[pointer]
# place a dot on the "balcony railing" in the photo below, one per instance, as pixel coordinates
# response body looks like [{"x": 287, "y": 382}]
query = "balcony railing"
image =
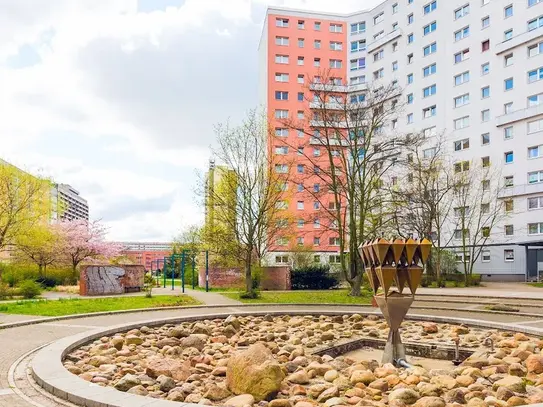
[
  {"x": 384, "y": 39},
  {"x": 520, "y": 114},
  {"x": 328, "y": 87},
  {"x": 519, "y": 190},
  {"x": 518, "y": 40}
]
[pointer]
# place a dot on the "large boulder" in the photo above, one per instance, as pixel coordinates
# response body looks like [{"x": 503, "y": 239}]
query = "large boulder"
[
  {"x": 534, "y": 364},
  {"x": 126, "y": 382},
  {"x": 168, "y": 367},
  {"x": 407, "y": 396},
  {"x": 254, "y": 371}
]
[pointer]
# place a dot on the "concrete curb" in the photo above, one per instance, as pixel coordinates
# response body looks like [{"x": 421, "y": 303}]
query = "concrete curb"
[{"x": 49, "y": 372}]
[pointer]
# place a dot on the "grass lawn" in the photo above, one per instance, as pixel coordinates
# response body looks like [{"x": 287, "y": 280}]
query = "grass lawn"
[
  {"x": 81, "y": 306},
  {"x": 307, "y": 297},
  {"x": 540, "y": 285}
]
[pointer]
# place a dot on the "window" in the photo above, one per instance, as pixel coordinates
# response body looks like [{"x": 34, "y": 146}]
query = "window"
[
  {"x": 461, "y": 123},
  {"x": 281, "y": 259},
  {"x": 301, "y": 24},
  {"x": 535, "y": 203},
  {"x": 281, "y": 77},
  {"x": 359, "y": 27},
  {"x": 394, "y": 66},
  {"x": 427, "y": 29},
  {"x": 300, "y": 79},
  {"x": 300, "y": 241},
  {"x": 281, "y": 41},
  {"x": 429, "y": 70},
  {"x": 281, "y": 150},
  {"x": 536, "y": 49},
  {"x": 535, "y": 228},
  {"x": 409, "y": 78},
  {"x": 461, "y": 100},
  {"x": 378, "y": 18},
  {"x": 410, "y": 38},
  {"x": 281, "y": 59},
  {"x": 430, "y": 49},
  {"x": 334, "y": 259},
  {"x": 317, "y": 26},
  {"x": 458, "y": 233},
  {"x": 485, "y": 231},
  {"x": 361, "y": 97},
  {"x": 316, "y": 242},
  {"x": 358, "y": 45},
  {"x": 429, "y": 112},
  {"x": 485, "y": 115},
  {"x": 508, "y": 84},
  {"x": 486, "y": 185},
  {"x": 336, "y": 63},
  {"x": 535, "y": 152},
  {"x": 430, "y": 7},
  {"x": 281, "y": 114},
  {"x": 463, "y": 33},
  {"x": 461, "y": 257},
  {"x": 429, "y": 132},
  {"x": 429, "y": 152},
  {"x": 461, "y": 56},
  {"x": 508, "y": 60},
  {"x": 316, "y": 152},
  {"x": 485, "y": 139},
  {"x": 394, "y": 8},
  {"x": 461, "y": 12},
  {"x": 300, "y": 205},
  {"x": 485, "y": 161},
  {"x": 336, "y": 46},
  {"x": 300, "y": 61},
  {"x": 316, "y": 205},
  {"x": 485, "y": 256},
  {"x": 317, "y": 44},
  {"x": 316, "y": 62},
  {"x": 357, "y": 64},
  {"x": 508, "y": 157},
  {"x": 508, "y": 34},
  {"x": 301, "y": 42},
  {"x": 281, "y": 168},
  {"x": 508, "y": 132},
  {"x": 485, "y": 68},
  {"x": 281, "y": 95},
  {"x": 535, "y": 23},
  {"x": 300, "y": 168},
  {"x": 485, "y": 22},
  {"x": 485, "y": 45},
  {"x": 281, "y": 22},
  {"x": 336, "y": 28},
  {"x": 429, "y": 91},
  {"x": 533, "y": 2},
  {"x": 535, "y": 75},
  {"x": 461, "y": 144},
  {"x": 410, "y": 118},
  {"x": 316, "y": 187},
  {"x": 410, "y": 19},
  {"x": 509, "y": 230},
  {"x": 378, "y": 35},
  {"x": 535, "y": 177},
  {"x": 508, "y": 181},
  {"x": 409, "y": 98},
  {"x": 485, "y": 92},
  {"x": 333, "y": 241},
  {"x": 509, "y": 255},
  {"x": 394, "y": 46},
  {"x": 535, "y": 100},
  {"x": 461, "y": 78},
  {"x": 379, "y": 73},
  {"x": 378, "y": 55},
  {"x": 508, "y": 11},
  {"x": 507, "y": 107},
  {"x": 300, "y": 151},
  {"x": 409, "y": 59},
  {"x": 535, "y": 126}
]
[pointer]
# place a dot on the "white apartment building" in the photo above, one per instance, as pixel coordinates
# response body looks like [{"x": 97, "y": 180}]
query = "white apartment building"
[
  {"x": 72, "y": 206},
  {"x": 473, "y": 71}
]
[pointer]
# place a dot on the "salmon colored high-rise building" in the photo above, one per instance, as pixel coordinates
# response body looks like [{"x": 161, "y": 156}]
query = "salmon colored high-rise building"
[{"x": 297, "y": 48}]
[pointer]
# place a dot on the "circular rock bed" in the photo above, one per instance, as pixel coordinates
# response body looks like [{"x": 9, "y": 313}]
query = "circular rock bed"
[{"x": 271, "y": 361}]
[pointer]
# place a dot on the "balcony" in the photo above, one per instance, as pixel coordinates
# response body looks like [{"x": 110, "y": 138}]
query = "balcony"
[
  {"x": 384, "y": 40},
  {"x": 518, "y": 40},
  {"x": 327, "y": 106},
  {"x": 518, "y": 115},
  {"x": 329, "y": 124},
  {"x": 316, "y": 141},
  {"x": 519, "y": 190}
]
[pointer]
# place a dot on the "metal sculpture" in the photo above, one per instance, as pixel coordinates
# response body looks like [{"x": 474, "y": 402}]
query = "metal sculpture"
[{"x": 390, "y": 264}]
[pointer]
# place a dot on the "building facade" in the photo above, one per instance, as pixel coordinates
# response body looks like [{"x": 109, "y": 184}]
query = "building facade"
[
  {"x": 471, "y": 70},
  {"x": 69, "y": 203},
  {"x": 148, "y": 254}
]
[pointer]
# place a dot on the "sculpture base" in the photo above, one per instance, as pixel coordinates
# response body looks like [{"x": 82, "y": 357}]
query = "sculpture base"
[{"x": 394, "y": 348}]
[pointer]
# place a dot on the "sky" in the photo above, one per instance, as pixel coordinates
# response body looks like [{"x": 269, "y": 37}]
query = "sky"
[{"x": 119, "y": 98}]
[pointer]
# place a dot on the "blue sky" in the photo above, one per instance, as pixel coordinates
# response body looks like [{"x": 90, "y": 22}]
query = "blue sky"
[{"x": 119, "y": 97}]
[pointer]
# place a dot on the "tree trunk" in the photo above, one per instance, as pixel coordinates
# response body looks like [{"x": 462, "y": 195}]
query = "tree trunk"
[
  {"x": 356, "y": 286},
  {"x": 40, "y": 270},
  {"x": 248, "y": 276}
]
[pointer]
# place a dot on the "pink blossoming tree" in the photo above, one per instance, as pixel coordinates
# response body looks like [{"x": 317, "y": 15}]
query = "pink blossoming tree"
[{"x": 83, "y": 241}]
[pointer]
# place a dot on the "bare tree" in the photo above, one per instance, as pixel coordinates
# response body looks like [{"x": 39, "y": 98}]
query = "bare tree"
[
  {"x": 479, "y": 209},
  {"x": 354, "y": 144},
  {"x": 247, "y": 200},
  {"x": 422, "y": 194}
]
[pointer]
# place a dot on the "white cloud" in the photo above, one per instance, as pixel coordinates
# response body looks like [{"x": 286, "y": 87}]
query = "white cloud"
[{"x": 133, "y": 94}]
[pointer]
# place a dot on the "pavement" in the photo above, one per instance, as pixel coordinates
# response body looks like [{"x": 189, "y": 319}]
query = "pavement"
[{"x": 16, "y": 342}]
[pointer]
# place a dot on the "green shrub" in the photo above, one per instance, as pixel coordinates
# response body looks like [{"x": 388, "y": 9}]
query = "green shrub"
[
  {"x": 30, "y": 289},
  {"x": 314, "y": 277},
  {"x": 5, "y": 291},
  {"x": 252, "y": 295}
]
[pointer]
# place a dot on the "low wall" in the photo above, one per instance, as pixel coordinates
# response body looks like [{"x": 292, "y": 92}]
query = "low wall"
[
  {"x": 273, "y": 278},
  {"x": 107, "y": 280}
]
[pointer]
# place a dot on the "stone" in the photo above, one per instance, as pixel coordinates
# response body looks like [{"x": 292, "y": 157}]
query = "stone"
[
  {"x": 97, "y": 361},
  {"x": 516, "y": 369},
  {"x": 455, "y": 396},
  {"x": 430, "y": 402},
  {"x": 460, "y": 330},
  {"x": 444, "y": 382},
  {"x": 133, "y": 340},
  {"x": 175, "y": 396},
  {"x": 240, "y": 401},
  {"x": 127, "y": 382},
  {"x": 534, "y": 364},
  {"x": 516, "y": 401},
  {"x": 279, "y": 403},
  {"x": 168, "y": 367},
  {"x": 513, "y": 383},
  {"x": 139, "y": 390},
  {"x": 380, "y": 384},
  {"x": 219, "y": 371},
  {"x": 117, "y": 342},
  {"x": 216, "y": 393},
  {"x": 201, "y": 328},
  {"x": 464, "y": 380},
  {"x": 504, "y": 393},
  {"x": 233, "y": 322},
  {"x": 194, "y": 341},
  {"x": 315, "y": 390},
  {"x": 476, "y": 402},
  {"x": 331, "y": 375},
  {"x": 328, "y": 336},
  {"x": 328, "y": 394},
  {"x": 165, "y": 383},
  {"x": 334, "y": 401},
  {"x": 407, "y": 396},
  {"x": 254, "y": 371},
  {"x": 362, "y": 376},
  {"x": 299, "y": 377},
  {"x": 193, "y": 398},
  {"x": 427, "y": 389},
  {"x": 297, "y": 390},
  {"x": 74, "y": 370}
]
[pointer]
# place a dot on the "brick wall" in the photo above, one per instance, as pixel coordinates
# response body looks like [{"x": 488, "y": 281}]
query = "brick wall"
[
  {"x": 104, "y": 280},
  {"x": 276, "y": 278},
  {"x": 273, "y": 278}
]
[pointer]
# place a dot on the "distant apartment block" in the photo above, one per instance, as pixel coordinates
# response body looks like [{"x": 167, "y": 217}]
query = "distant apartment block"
[
  {"x": 71, "y": 205},
  {"x": 148, "y": 254},
  {"x": 469, "y": 69}
]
